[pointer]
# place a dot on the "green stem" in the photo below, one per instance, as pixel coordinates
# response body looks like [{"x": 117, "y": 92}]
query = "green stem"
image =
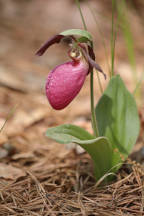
[{"x": 93, "y": 116}]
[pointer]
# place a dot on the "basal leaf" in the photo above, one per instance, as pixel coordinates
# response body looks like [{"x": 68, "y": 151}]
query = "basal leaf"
[
  {"x": 117, "y": 118},
  {"x": 78, "y": 32},
  {"x": 98, "y": 148},
  {"x": 100, "y": 151},
  {"x": 68, "y": 133}
]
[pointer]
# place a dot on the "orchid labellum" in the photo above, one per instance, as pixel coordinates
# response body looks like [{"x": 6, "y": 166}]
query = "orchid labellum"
[{"x": 66, "y": 80}]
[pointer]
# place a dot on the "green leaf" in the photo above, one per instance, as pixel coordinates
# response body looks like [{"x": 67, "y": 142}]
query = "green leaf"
[
  {"x": 68, "y": 133},
  {"x": 78, "y": 32},
  {"x": 98, "y": 148},
  {"x": 117, "y": 118}
]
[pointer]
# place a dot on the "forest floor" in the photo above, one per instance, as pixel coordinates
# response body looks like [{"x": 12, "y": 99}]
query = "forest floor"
[{"x": 37, "y": 175}]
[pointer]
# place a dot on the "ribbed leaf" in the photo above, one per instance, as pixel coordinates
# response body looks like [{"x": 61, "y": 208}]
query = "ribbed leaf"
[
  {"x": 98, "y": 148},
  {"x": 117, "y": 118}
]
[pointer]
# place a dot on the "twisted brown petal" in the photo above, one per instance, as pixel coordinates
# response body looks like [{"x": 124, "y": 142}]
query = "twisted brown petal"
[
  {"x": 51, "y": 41},
  {"x": 90, "y": 57}
]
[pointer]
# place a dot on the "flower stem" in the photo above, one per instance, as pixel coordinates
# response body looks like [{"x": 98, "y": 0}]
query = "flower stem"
[{"x": 93, "y": 116}]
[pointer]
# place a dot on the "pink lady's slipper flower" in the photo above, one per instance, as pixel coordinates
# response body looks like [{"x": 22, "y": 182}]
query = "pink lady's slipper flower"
[{"x": 66, "y": 80}]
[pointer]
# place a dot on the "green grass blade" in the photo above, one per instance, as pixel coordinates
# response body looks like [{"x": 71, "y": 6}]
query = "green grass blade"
[
  {"x": 113, "y": 38},
  {"x": 102, "y": 37},
  {"x": 8, "y": 117},
  {"x": 81, "y": 14},
  {"x": 127, "y": 34}
]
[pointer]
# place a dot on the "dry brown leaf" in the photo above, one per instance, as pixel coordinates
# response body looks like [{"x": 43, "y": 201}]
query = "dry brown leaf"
[{"x": 9, "y": 172}]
